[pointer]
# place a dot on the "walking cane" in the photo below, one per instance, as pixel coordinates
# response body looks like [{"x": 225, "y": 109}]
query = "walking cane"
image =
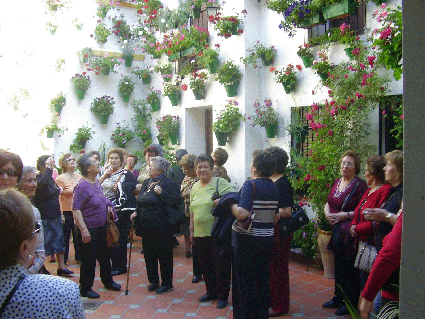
[{"x": 129, "y": 257}]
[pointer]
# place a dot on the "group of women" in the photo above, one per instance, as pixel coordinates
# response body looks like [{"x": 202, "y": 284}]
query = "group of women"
[{"x": 365, "y": 212}]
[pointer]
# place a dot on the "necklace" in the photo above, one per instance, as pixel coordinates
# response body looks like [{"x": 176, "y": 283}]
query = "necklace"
[{"x": 72, "y": 177}]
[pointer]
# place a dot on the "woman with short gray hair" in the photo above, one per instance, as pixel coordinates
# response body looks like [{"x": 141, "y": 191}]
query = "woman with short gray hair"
[{"x": 159, "y": 199}]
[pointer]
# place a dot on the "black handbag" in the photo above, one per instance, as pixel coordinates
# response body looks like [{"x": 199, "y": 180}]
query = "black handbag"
[{"x": 297, "y": 220}]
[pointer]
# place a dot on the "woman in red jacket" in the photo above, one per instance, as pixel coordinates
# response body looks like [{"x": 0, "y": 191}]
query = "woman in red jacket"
[{"x": 375, "y": 196}]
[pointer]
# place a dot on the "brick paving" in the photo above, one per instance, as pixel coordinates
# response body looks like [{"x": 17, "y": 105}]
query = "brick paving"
[{"x": 309, "y": 290}]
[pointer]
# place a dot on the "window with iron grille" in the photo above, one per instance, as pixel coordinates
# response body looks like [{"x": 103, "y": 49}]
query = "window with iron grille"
[
  {"x": 389, "y": 104},
  {"x": 302, "y": 148}
]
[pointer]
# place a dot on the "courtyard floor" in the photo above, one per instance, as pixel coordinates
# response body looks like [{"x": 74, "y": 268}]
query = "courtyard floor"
[{"x": 309, "y": 290}]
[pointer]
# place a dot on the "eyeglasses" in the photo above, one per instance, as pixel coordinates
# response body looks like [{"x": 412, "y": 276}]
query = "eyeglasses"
[
  {"x": 70, "y": 159},
  {"x": 9, "y": 172},
  {"x": 347, "y": 164},
  {"x": 37, "y": 229}
]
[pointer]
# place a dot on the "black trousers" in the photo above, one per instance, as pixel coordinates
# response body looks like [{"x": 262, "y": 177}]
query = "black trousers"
[
  {"x": 157, "y": 249},
  {"x": 206, "y": 254},
  {"x": 68, "y": 228},
  {"x": 197, "y": 271},
  {"x": 90, "y": 252},
  {"x": 119, "y": 254},
  {"x": 250, "y": 282},
  {"x": 223, "y": 266},
  {"x": 346, "y": 278}
]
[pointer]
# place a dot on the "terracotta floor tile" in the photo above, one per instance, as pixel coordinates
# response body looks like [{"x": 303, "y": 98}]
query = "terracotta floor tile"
[
  {"x": 212, "y": 311},
  {"x": 309, "y": 277},
  {"x": 311, "y": 288},
  {"x": 168, "y": 315},
  {"x": 140, "y": 313},
  {"x": 186, "y": 307},
  {"x": 107, "y": 309},
  {"x": 160, "y": 303},
  {"x": 133, "y": 299}
]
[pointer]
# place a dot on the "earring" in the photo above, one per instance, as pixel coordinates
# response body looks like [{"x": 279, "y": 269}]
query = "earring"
[{"x": 29, "y": 257}]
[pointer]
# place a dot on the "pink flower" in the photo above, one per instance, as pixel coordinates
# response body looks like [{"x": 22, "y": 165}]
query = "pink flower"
[
  {"x": 383, "y": 5},
  {"x": 385, "y": 34},
  {"x": 402, "y": 117},
  {"x": 309, "y": 116},
  {"x": 383, "y": 112},
  {"x": 346, "y": 75},
  {"x": 331, "y": 133},
  {"x": 307, "y": 178}
]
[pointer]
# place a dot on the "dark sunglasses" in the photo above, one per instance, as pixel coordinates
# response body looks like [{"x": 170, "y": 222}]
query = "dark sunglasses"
[
  {"x": 37, "y": 228},
  {"x": 9, "y": 172}
]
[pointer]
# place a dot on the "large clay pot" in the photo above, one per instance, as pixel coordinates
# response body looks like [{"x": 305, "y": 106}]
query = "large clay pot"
[{"x": 328, "y": 258}]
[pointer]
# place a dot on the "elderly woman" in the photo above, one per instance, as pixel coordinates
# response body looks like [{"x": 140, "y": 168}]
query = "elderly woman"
[
  {"x": 220, "y": 157},
  {"x": 252, "y": 248},
  {"x": 67, "y": 181},
  {"x": 23, "y": 295},
  {"x": 345, "y": 195},
  {"x": 375, "y": 196},
  {"x": 46, "y": 199},
  {"x": 118, "y": 186},
  {"x": 131, "y": 162},
  {"x": 279, "y": 262},
  {"x": 187, "y": 163},
  {"x": 90, "y": 207},
  {"x": 148, "y": 153},
  {"x": 203, "y": 197},
  {"x": 27, "y": 186},
  {"x": 158, "y": 200}
]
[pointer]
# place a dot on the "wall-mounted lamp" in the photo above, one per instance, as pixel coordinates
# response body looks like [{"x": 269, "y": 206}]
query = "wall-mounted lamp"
[{"x": 212, "y": 10}]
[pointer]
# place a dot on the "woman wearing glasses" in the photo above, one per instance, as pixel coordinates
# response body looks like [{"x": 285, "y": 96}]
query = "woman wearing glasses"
[
  {"x": 67, "y": 181},
  {"x": 23, "y": 295}
]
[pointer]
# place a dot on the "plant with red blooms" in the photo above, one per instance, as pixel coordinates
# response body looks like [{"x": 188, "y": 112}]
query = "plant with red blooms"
[
  {"x": 260, "y": 51},
  {"x": 322, "y": 65},
  {"x": 226, "y": 25},
  {"x": 150, "y": 9},
  {"x": 287, "y": 75},
  {"x": 168, "y": 124},
  {"x": 121, "y": 28},
  {"x": 103, "y": 105},
  {"x": 142, "y": 72},
  {"x": 177, "y": 41},
  {"x": 172, "y": 88},
  {"x": 198, "y": 80},
  {"x": 102, "y": 33},
  {"x": 81, "y": 81},
  {"x": 103, "y": 9},
  {"x": 207, "y": 56},
  {"x": 304, "y": 50}
]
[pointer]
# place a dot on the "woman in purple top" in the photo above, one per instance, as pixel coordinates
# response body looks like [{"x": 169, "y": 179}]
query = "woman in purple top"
[{"x": 90, "y": 209}]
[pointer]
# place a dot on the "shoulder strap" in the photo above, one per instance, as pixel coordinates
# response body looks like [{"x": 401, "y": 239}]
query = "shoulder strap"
[
  {"x": 347, "y": 199},
  {"x": 216, "y": 186},
  {"x": 253, "y": 195},
  {"x": 9, "y": 297}
]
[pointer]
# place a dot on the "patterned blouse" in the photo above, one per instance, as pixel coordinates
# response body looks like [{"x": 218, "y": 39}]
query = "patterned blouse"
[
  {"x": 220, "y": 171},
  {"x": 39, "y": 296},
  {"x": 187, "y": 184}
]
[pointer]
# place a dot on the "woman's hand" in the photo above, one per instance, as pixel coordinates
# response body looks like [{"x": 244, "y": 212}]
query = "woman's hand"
[
  {"x": 86, "y": 236},
  {"x": 133, "y": 216},
  {"x": 108, "y": 172},
  {"x": 50, "y": 163},
  {"x": 375, "y": 214},
  {"x": 353, "y": 231},
  {"x": 157, "y": 190},
  {"x": 365, "y": 307},
  {"x": 338, "y": 217},
  {"x": 192, "y": 238}
]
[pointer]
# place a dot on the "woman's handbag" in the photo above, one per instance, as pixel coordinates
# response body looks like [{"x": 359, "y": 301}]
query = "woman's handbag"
[
  {"x": 112, "y": 232},
  {"x": 245, "y": 225},
  {"x": 297, "y": 220},
  {"x": 366, "y": 256}
]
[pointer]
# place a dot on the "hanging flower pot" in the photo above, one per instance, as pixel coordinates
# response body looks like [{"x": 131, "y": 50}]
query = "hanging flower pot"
[
  {"x": 126, "y": 97},
  {"x": 146, "y": 79},
  {"x": 288, "y": 86},
  {"x": 188, "y": 52},
  {"x": 105, "y": 71},
  {"x": 82, "y": 143},
  {"x": 174, "y": 98},
  {"x": 221, "y": 138},
  {"x": 308, "y": 22},
  {"x": 271, "y": 130},
  {"x": 199, "y": 95},
  {"x": 155, "y": 106},
  {"x": 349, "y": 53},
  {"x": 174, "y": 138},
  {"x": 104, "y": 118},
  {"x": 50, "y": 133},
  {"x": 266, "y": 62},
  {"x": 174, "y": 57},
  {"x": 196, "y": 12},
  {"x": 80, "y": 94},
  {"x": 58, "y": 109},
  {"x": 234, "y": 29},
  {"x": 166, "y": 79},
  {"x": 307, "y": 60},
  {"x": 323, "y": 75},
  {"x": 232, "y": 89},
  {"x": 339, "y": 10},
  {"x": 128, "y": 59},
  {"x": 212, "y": 67},
  {"x": 156, "y": 55}
]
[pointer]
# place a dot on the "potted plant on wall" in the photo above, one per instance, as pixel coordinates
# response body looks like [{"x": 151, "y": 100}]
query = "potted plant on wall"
[
  {"x": 166, "y": 71},
  {"x": 105, "y": 64},
  {"x": 226, "y": 26},
  {"x": 103, "y": 9},
  {"x": 143, "y": 73},
  {"x": 172, "y": 90},
  {"x": 348, "y": 38},
  {"x": 54, "y": 126},
  {"x": 228, "y": 120},
  {"x": 101, "y": 33},
  {"x": 229, "y": 75},
  {"x": 208, "y": 57},
  {"x": 81, "y": 83},
  {"x": 122, "y": 134},
  {"x": 126, "y": 87},
  {"x": 197, "y": 84},
  {"x": 153, "y": 99},
  {"x": 141, "y": 121},
  {"x": 305, "y": 52},
  {"x": 322, "y": 66},
  {"x": 103, "y": 107},
  {"x": 84, "y": 134},
  {"x": 58, "y": 103},
  {"x": 265, "y": 116},
  {"x": 333, "y": 9},
  {"x": 260, "y": 51},
  {"x": 128, "y": 48},
  {"x": 168, "y": 127},
  {"x": 85, "y": 54},
  {"x": 288, "y": 78},
  {"x": 196, "y": 8}
]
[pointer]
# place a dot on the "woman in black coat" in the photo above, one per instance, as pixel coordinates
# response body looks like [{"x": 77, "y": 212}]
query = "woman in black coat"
[{"x": 157, "y": 213}]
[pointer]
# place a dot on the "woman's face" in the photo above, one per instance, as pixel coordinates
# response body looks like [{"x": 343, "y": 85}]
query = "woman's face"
[
  {"x": 190, "y": 172},
  {"x": 114, "y": 161},
  {"x": 8, "y": 176},
  {"x": 94, "y": 167},
  {"x": 131, "y": 162},
  {"x": 370, "y": 178},
  {"x": 392, "y": 175},
  {"x": 148, "y": 156},
  {"x": 204, "y": 171},
  {"x": 69, "y": 163},
  {"x": 348, "y": 168},
  {"x": 28, "y": 184},
  {"x": 154, "y": 169}
]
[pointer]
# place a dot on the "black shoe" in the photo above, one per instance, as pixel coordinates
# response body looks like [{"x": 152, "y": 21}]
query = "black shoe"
[
  {"x": 64, "y": 272},
  {"x": 119, "y": 272},
  {"x": 89, "y": 294},
  {"x": 164, "y": 289},
  {"x": 342, "y": 311},
  {"x": 334, "y": 303},
  {"x": 188, "y": 254},
  {"x": 207, "y": 297},
  {"x": 44, "y": 271},
  {"x": 221, "y": 304},
  {"x": 175, "y": 242},
  {"x": 153, "y": 287},
  {"x": 196, "y": 279},
  {"x": 113, "y": 286},
  {"x": 141, "y": 252}
]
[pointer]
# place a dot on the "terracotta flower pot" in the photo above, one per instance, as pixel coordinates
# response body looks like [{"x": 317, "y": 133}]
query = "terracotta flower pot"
[{"x": 328, "y": 258}]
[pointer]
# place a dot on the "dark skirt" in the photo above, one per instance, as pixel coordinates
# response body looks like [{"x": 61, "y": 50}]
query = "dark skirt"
[{"x": 53, "y": 236}]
